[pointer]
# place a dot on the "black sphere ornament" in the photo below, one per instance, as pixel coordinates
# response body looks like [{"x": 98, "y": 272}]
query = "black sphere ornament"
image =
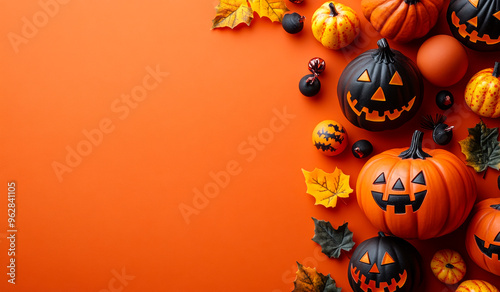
[
  {"x": 362, "y": 148},
  {"x": 309, "y": 85},
  {"x": 293, "y": 22},
  {"x": 441, "y": 132},
  {"x": 444, "y": 100}
]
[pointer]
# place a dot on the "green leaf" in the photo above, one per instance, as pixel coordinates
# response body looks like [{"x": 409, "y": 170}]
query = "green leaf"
[
  {"x": 331, "y": 240},
  {"x": 310, "y": 280},
  {"x": 481, "y": 148}
]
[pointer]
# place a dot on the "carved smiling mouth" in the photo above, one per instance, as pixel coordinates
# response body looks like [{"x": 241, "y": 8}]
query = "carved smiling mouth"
[
  {"x": 371, "y": 285},
  {"x": 490, "y": 250},
  {"x": 399, "y": 201},
  {"x": 377, "y": 116},
  {"x": 473, "y": 37}
]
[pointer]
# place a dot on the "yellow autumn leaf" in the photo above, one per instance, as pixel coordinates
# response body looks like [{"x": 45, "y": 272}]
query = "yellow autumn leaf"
[
  {"x": 272, "y": 9},
  {"x": 230, "y": 13},
  {"x": 327, "y": 187}
]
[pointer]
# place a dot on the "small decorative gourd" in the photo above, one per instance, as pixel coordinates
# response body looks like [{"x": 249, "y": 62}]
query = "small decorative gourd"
[
  {"x": 402, "y": 20},
  {"x": 335, "y": 25},
  {"x": 476, "y": 286},
  {"x": 482, "y": 93},
  {"x": 448, "y": 266}
]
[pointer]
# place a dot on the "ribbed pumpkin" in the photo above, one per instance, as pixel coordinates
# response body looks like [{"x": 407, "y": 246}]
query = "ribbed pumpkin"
[
  {"x": 482, "y": 93},
  {"x": 380, "y": 89},
  {"x": 475, "y": 23},
  {"x": 416, "y": 193},
  {"x": 476, "y": 286},
  {"x": 483, "y": 235},
  {"x": 402, "y": 20},
  {"x": 385, "y": 263},
  {"x": 335, "y": 25},
  {"x": 448, "y": 266}
]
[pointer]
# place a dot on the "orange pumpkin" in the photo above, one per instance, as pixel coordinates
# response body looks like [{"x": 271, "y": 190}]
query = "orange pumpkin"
[
  {"x": 483, "y": 235},
  {"x": 476, "y": 286},
  {"x": 335, "y": 25},
  {"x": 402, "y": 20},
  {"x": 482, "y": 93},
  {"x": 329, "y": 137},
  {"x": 416, "y": 193},
  {"x": 448, "y": 266}
]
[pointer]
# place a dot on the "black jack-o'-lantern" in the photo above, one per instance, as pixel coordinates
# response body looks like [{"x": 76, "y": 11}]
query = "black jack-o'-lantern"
[
  {"x": 475, "y": 23},
  {"x": 384, "y": 264},
  {"x": 380, "y": 89}
]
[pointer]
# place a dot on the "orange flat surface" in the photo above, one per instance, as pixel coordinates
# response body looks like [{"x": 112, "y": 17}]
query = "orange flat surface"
[{"x": 210, "y": 102}]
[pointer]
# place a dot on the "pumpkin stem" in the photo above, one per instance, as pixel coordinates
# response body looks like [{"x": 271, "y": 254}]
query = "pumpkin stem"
[
  {"x": 415, "y": 151},
  {"x": 384, "y": 53},
  {"x": 333, "y": 11},
  {"x": 449, "y": 266},
  {"x": 496, "y": 70}
]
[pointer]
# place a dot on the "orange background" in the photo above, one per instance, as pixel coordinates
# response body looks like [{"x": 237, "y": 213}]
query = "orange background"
[{"x": 117, "y": 210}]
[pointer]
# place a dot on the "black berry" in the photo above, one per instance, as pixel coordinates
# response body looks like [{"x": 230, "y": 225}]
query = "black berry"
[
  {"x": 442, "y": 134},
  {"x": 309, "y": 85},
  {"x": 362, "y": 149},
  {"x": 293, "y": 22},
  {"x": 444, "y": 99}
]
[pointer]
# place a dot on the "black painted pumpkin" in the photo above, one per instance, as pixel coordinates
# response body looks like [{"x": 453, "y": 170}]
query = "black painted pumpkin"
[
  {"x": 380, "y": 89},
  {"x": 476, "y": 23},
  {"x": 384, "y": 264}
]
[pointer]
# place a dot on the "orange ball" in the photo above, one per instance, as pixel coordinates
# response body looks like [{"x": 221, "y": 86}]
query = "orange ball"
[
  {"x": 329, "y": 137},
  {"x": 442, "y": 60}
]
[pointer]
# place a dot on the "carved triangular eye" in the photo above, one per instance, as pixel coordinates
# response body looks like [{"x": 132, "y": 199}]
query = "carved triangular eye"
[
  {"x": 419, "y": 179},
  {"x": 387, "y": 259},
  {"x": 378, "y": 95},
  {"x": 396, "y": 79},
  {"x": 497, "y": 15},
  {"x": 474, "y": 2},
  {"x": 473, "y": 21},
  {"x": 365, "y": 258},
  {"x": 380, "y": 179},
  {"x": 497, "y": 238},
  {"x": 364, "y": 77},
  {"x": 398, "y": 186}
]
